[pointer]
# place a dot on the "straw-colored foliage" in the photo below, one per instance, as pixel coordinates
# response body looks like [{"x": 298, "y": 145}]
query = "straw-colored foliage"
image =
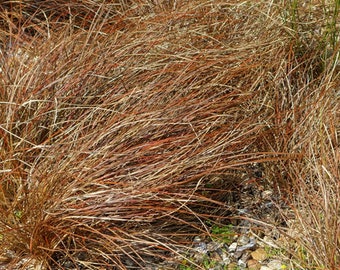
[{"x": 116, "y": 115}]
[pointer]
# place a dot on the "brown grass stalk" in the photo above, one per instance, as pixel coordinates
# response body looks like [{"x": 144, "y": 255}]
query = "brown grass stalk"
[{"x": 116, "y": 115}]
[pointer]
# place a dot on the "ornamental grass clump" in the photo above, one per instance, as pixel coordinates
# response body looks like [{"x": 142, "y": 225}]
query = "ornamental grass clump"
[
  {"x": 114, "y": 117},
  {"x": 126, "y": 125},
  {"x": 306, "y": 127}
]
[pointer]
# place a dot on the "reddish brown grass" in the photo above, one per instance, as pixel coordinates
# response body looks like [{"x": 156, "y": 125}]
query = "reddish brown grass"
[{"x": 115, "y": 115}]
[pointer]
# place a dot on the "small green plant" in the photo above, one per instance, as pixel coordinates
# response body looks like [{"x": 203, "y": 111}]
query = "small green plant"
[
  {"x": 18, "y": 214},
  {"x": 187, "y": 264},
  {"x": 332, "y": 30},
  {"x": 185, "y": 267},
  {"x": 223, "y": 234},
  {"x": 294, "y": 15},
  {"x": 274, "y": 252},
  {"x": 208, "y": 262}
]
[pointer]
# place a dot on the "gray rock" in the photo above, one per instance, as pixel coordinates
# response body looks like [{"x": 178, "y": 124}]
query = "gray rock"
[
  {"x": 226, "y": 259},
  {"x": 250, "y": 245},
  {"x": 245, "y": 257},
  {"x": 232, "y": 247},
  {"x": 265, "y": 268},
  {"x": 238, "y": 254},
  {"x": 201, "y": 247},
  {"x": 241, "y": 263},
  {"x": 274, "y": 264},
  {"x": 243, "y": 240},
  {"x": 212, "y": 246}
]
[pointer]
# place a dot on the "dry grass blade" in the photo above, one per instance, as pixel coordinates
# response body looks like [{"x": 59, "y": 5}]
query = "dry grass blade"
[
  {"x": 113, "y": 124},
  {"x": 117, "y": 117},
  {"x": 306, "y": 124}
]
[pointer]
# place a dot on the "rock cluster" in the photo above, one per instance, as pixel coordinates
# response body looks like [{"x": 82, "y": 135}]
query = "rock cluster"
[{"x": 244, "y": 252}]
